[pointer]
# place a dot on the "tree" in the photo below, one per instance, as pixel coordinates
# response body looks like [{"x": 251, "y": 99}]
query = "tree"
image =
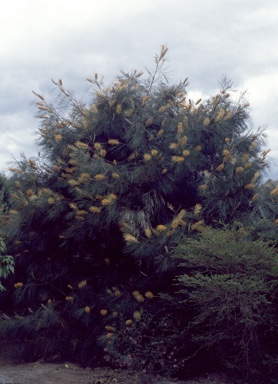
[{"x": 119, "y": 182}]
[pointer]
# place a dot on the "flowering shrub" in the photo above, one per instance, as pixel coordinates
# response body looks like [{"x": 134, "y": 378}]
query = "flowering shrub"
[
  {"x": 143, "y": 344},
  {"x": 146, "y": 339}
]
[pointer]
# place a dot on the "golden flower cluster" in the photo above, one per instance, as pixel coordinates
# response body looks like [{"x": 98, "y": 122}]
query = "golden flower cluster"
[
  {"x": 137, "y": 296},
  {"x": 82, "y": 284},
  {"x": 103, "y": 312},
  {"x": 130, "y": 238},
  {"x": 94, "y": 209},
  {"x": 18, "y": 285}
]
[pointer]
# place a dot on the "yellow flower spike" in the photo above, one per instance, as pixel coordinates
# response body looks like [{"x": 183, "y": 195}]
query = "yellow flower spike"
[
  {"x": 186, "y": 153},
  {"x": 51, "y": 200},
  {"x": 84, "y": 177},
  {"x": 80, "y": 144},
  {"x": 94, "y": 108},
  {"x": 18, "y": 285},
  {"x": 256, "y": 176},
  {"x": 113, "y": 141},
  {"x": 94, "y": 209},
  {"x": 178, "y": 159},
  {"x": 137, "y": 315},
  {"x": 112, "y": 196},
  {"x": 147, "y": 157},
  {"x": 175, "y": 224},
  {"x": 255, "y": 197},
  {"x": 164, "y": 171},
  {"x": 29, "y": 192},
  {"x": 227, "y": 140},
  {"x": 180, "y": 127},
  {"x": 274, "y": 192},
  {"x": 87, "y": 309},
  {"x": 109, "y": 328},
  {"x": 102, "y": 152},
  {"x": 248, "y": 165},
  {"x": 239, "y": 169},
  {"x": 182, "y": 223},
  {"x": 154, "y": 152},
  {"x": 162, "y": 108},
  {"x": 58, "y": 137},
  {"x": 103, "y": 312},
  {"x": 82, "y": 284},
  {"x": 198, "y": 148},
  {"x": 206, "y": 122},
  {"x": 128, "y": 112},
  {"x": 99, "y": 176},
  {"x": 276, "y": 221},
  {"x": 109, "y": 335},
  {"x": 149, "y": 121},
  {"x": 148, "y": 232},
  {"x": 197, "y": 209},
  {"x": 203, "y": 187},
  {"x": 49, "y": 301},
  {"x": 128, "y": 322},
  {"x": 115, "y": 175},
  {"x": 97, "y": 146},
  {"x": 173, "y": 145},
  {"x": 69, "y": 298},
  {"x": 114, "y": 314},
  {"x": 70, "y": 286},
  {"x": 220, "y": 167},
  {"x": 81, "y": 212},
  {"x": 161, "y": 228},
  {"x": 245, "y": 157},
  {"x": 181, "y": 214},
  {"x": 117, "y": 293},
  {"x": 226, "y": 152},
  {"x": 252, "y": 146},
  {"x": 130, "y": 238},
  {"x": 249, "y": 186},
  {"x": 145, "y": 98},
  {"x": 149, "y": 295},
  {"x": 137, "y": 296},
  {"x": 119, "y": 108},
  {"x": 160, "y": 132},
  {"x": 183, "y": 141},
  {"x": 140, "y": 298},
  {"x": 106, "y": 201},
  {"x": 80, "y": 218},
  {"x": 220, "y": 115},
  {"x": 198, "y": 226}
]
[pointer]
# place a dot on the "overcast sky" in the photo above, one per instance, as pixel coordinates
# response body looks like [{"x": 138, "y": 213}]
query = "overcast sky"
[{"x": 73, "y": 39}]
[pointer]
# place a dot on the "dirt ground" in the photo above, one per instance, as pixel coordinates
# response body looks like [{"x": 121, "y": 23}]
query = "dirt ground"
[{"x": 14, "y": 372}]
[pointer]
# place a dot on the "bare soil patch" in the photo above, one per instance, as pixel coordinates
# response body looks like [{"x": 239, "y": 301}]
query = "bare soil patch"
[{"x": 13, "y": 371}]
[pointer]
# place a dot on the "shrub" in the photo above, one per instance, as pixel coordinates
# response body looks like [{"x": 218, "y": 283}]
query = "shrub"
[
  {"x": 6, "y": 264},
  {"x": 229, "y": 283},
  {"x": 144, "y": 337}
]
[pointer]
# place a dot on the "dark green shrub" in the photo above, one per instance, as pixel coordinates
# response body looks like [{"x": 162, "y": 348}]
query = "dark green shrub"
[
  {"x": 140, "y": 334},
  {"x": 230, "y": 286}
]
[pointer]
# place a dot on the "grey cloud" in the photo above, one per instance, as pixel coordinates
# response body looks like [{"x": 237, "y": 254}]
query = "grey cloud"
[{"x": 235, "y": 38}]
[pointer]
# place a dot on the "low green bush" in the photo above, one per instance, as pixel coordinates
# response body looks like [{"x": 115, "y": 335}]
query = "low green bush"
[
  {"x": 6, "y": 264},
  {"x": 229, "y": 283}
]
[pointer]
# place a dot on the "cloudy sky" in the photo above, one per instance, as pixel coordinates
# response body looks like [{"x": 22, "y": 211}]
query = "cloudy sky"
[{"x": 73, "y": 39}]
